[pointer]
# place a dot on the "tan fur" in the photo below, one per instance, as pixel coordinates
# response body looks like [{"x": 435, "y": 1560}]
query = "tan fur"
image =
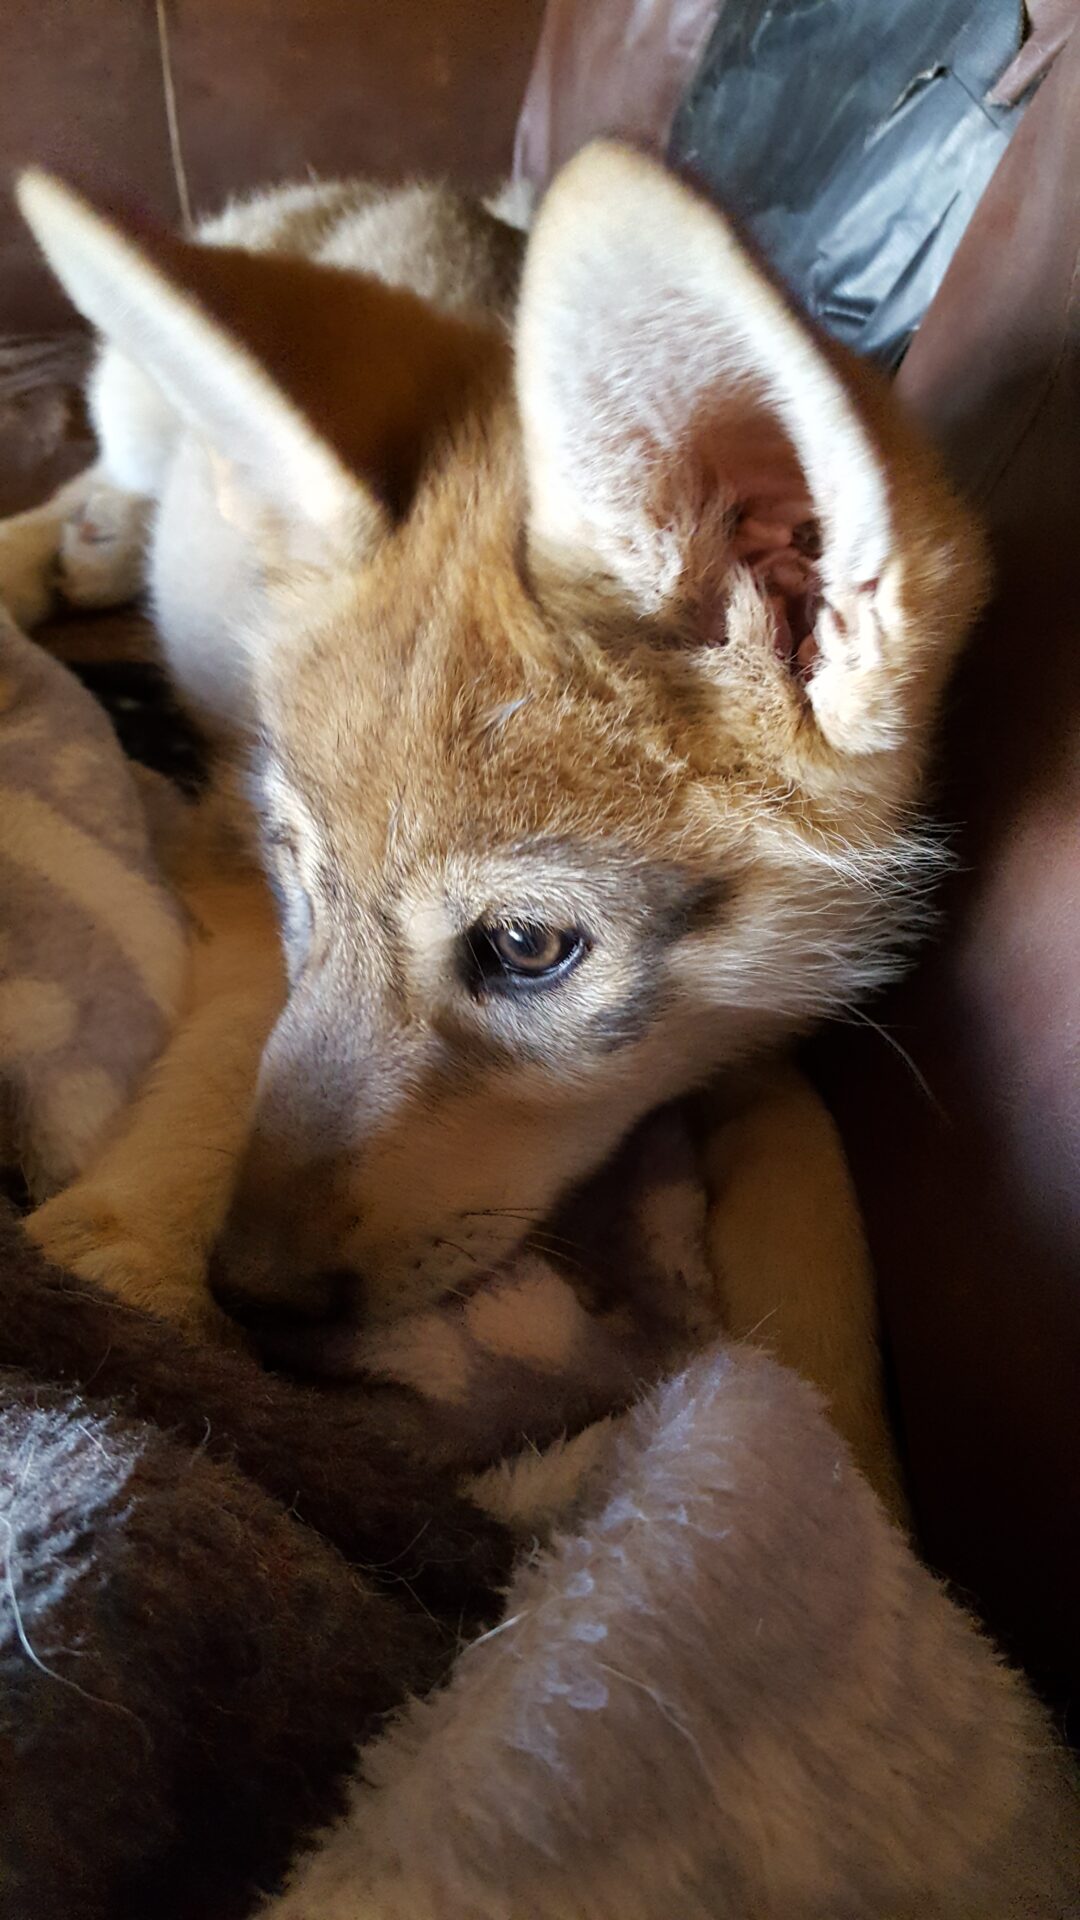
[{"x": 490, "y": 625}]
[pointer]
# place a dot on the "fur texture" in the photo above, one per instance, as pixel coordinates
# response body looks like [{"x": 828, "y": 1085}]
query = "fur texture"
[
  {"x": 724, "y": 1687},
  {"x": 173, "y": 1643},
  {"x": 729, "y": 1689},
  {"x": 634, "y": 639},
  {"x": 338, "y": 1465},
  {"x": 654, "y": 1255}
]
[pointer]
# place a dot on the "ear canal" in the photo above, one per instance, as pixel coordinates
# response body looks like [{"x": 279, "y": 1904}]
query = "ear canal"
[
  {"x": 678, "y": 418},
  {"x": 323, "y": 388}
]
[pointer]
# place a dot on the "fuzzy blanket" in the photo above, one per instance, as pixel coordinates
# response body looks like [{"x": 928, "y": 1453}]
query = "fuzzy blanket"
[
  {"x": 92, "y": 947},
  {"x": 678, "y": 1665},
  {"x": 726, "y": 1687}
]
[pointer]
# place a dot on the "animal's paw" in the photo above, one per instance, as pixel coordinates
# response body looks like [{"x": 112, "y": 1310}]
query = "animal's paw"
[
  {"x": 28, "y": 566},
  {"x": 102, "y": 544},
  {"x": 87, "y": 1236}
]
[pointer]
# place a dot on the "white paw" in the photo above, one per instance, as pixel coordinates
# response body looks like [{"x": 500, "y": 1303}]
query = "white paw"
[
  {"x": 28, "y": 557},
  {"x": 102, "y": 545}
]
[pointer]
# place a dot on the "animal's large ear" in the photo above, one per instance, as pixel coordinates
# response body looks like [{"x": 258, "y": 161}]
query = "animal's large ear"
[
  {"x": 679, "y": 418},
  {"x": 316, "y": 391}
]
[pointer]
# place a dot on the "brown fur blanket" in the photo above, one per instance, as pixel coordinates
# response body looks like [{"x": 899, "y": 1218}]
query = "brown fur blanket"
[
  {"x": 212, "y": 1585},
  {"x": 725, "y": 1688}
]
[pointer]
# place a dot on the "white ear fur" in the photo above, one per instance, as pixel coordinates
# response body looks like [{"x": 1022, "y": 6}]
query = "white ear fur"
[
  {"x": 216, "y": 386},
  {"x": 643, "y": 327}
]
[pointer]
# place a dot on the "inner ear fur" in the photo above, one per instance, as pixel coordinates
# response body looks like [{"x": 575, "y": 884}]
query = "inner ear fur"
[
  {"x": 689, "y": 438},
  {"x": 663, "y": 379}
]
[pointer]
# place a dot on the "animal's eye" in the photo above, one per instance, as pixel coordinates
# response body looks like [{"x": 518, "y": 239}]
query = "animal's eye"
[{"x": 520, "y": 953}]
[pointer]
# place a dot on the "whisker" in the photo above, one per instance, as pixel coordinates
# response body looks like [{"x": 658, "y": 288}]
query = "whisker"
[
  {"x": 557, "y": 1239},
  {"x": 856, "y": 1015},
  {"x": 560, "y": 1255},
  {"x": 464, "y": 1251},
  {"x": 496, "y": 1213}
]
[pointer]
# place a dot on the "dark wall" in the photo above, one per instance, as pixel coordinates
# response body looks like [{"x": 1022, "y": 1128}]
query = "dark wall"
[{"x": 263, "y": 89}]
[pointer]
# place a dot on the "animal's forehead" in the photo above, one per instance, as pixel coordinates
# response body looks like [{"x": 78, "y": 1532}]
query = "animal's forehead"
[
  {"x": 483, "y": 765},
  {"x": 456, "y": 724}
]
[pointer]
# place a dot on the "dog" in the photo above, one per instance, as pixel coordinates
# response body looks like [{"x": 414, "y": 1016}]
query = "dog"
[{"x": 581, "y": 621}]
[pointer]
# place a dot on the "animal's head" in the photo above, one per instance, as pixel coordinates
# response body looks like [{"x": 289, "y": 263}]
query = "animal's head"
[{"x": 593, "y": 685}]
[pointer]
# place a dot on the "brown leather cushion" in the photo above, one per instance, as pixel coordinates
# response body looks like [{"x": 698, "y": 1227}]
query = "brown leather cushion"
[
  {"x": 607, "y": 66},
  {"x": 972, "y": 1193}
]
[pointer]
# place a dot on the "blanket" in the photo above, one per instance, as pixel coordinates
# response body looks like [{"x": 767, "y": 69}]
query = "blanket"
[
  {"x": 568, "y": 1606},
  {"x": 92, "y": 946},
  {"x": 723, "y": 1686},
  {"x": 212, "y": 1585}
]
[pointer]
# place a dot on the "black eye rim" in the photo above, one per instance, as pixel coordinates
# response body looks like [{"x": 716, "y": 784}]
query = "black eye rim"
[{"x": 489, "y": 969}]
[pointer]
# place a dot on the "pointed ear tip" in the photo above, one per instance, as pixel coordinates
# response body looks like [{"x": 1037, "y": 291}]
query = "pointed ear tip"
[
  {"x": 63, "y": 219},
  {"x": 41, "y": 195},
  {"x": 32, "y": 184},
  {"x": 607, "y": 162},
  {"x": 609, "y": 174}
]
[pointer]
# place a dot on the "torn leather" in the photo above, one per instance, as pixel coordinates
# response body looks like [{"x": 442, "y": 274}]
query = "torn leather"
[{"x": 855, "y": 144}]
